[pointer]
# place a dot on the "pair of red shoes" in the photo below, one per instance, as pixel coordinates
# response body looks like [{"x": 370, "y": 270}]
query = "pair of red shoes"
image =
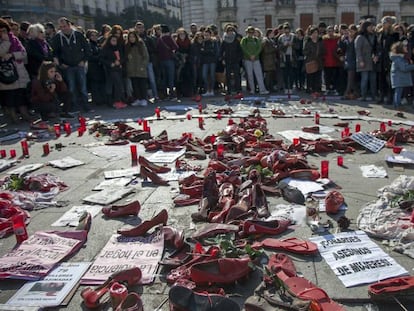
[
  {"x": 115, "y": 211},
  {"x": 160, "y": 219},
  {"x": 149, "y": 170},
  {"x": 116, "y": 287}
]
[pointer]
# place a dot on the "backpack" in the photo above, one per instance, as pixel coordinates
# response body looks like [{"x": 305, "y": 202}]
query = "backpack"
[{"x": 8, "y": 72}]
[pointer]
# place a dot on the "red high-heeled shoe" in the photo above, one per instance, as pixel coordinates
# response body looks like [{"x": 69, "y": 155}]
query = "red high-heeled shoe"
[
  {"x": 94, "y": 298},
  {"x": 141, "y": 229},
  {"x": 152, "y": 166},
  {"x": 132, "y": 302},
  {"x": 156, "y": 180},
  {"x": 114, "y": 211}
]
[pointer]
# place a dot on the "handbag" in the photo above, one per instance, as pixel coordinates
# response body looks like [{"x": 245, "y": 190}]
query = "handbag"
[
  {"x": 8, "y": 72},
  {"x": 312, "y": 66}
]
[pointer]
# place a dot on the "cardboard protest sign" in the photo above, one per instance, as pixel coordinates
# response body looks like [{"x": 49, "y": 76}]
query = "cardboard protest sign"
[
  {"x": 356, "y": 259},
  {"x": 121, "y": 253}
]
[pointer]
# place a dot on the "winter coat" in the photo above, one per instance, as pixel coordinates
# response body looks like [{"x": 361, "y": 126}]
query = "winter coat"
[
  {"x": 313, "y": 51},
  {"x": 136, "y": 61},
  {"x": 166, "y": 48},
  {"x": 288, "y": 50},
  {"x": 330, "y": 44},
  {"x": 400, "y": 71},
  {"x": 150, "y": 44},
  {"x": 37, "y": 52},
  {"x": 15, "y": 47},
  {"x": 107, "y": 57},
  {"x": 195, "y": 53},
  {"x": 230, "y": 49},
  {"x": 251, "y": 46},
  {"x": 95, "y": 68},
  {"x": 348, "y": 48},
  {"x": 269, "y": 54},
  {"x": 364, "y": 52},
  {"x": 70, "y": 50},
  {"x": 40, "y": 94},
  {"x": 209, "y": 52}
]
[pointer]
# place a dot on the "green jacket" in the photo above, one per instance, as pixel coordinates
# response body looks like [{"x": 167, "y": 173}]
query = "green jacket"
[{"x": 251, "y": 46}]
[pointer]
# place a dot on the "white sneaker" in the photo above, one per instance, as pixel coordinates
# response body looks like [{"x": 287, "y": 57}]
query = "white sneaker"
[
  {"x": 265, "y": 92},
  {"x": 136, "y": 103}
]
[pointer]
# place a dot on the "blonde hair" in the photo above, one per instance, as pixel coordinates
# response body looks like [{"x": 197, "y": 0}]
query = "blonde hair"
[{"x": 34, "y": 30}]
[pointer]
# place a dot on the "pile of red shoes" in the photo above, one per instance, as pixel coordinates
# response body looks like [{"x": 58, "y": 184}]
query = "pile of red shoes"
[{"x": 118, "y": 132}]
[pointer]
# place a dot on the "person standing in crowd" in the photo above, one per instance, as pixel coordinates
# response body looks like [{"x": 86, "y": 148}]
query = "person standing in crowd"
[
  {"x": 287, "y": 43},
  {"x": 331, "y": 60},
  {"x": 13, "y": 95},
  {"x": 38, "y": 50},
  {"x": 50, "y": 31},
  {"x": 299, "y": 73},
  {"x": 183, "y": 67},
  {"x": 348, "y": 46},
  {"x": 23, "y": 34},
  {"x": 251, "y": 48},
  {"x": 48, "y": 91},
  {"x": 137, "y": 59},
  {"x": 268, "y": 58},
  {"x": 71, "y": 51},
  {"x": 105, "y": 32},
  {"x": 209, "y": 55},
  {"x": 313, "y": 50},
  {"x": 195, "y": 61},
  {"x": 166, "y": 47},
  {"x": 365, "y": 49},
  {"x": 385, "y": 38},
  {"x": 112, "y": 57},
  {"x": 232, "y": 56},
  {"x": 400, "y": 74},
  {"x": 150, "y": 44},
  {"x": 95, "y": 76},
  {"x": 193, "y": 30}
]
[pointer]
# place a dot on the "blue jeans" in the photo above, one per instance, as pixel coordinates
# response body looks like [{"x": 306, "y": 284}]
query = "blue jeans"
[
  {"x": 76, "y": 79},
  {"x": 168, "y": 74},
  {"x": 209, "y": 71},
  {"x": 151, "y": 79},
  {"x": 370, "y": 76},
  {"x": 398, "y": 91}
]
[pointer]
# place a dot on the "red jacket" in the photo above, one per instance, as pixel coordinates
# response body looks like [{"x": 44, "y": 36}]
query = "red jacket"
[{"x": 331, "y": 46}]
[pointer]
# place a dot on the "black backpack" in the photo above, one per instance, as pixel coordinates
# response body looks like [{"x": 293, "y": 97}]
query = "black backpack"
[{"x": 8, "y": 72}]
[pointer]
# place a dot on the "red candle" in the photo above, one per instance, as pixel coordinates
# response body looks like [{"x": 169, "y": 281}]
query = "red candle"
[
  {"x": 218, "y": 115},
  {"x": 145, "y": 126},
  {"x": 346, "y": 131},
  {"x": 213, "y": 139},
  {"x": 57, "y": 130},
  {"x": 340, "y": 161},
  {"x": 230, "y": 122},
  {"x": 25, "y": 148},
  {"x": 357, "y": 128},
  {"x": 295, "y": 141},
  {"x": 158, "y": 112},
  {"x": 317, "y": 118},
  {"x": 19, "y": 228},
  {"x": 383, "y": 127},
  {"x": 46, "y": 149},
  {"x": 80, "y": 131},
  {"x": 389, "y": 122},
  {"x": 82, "y": 121},
  {"x": 189, "y": 116},
  {"x": 200, "y": 122},
  {"x": 3, "y": 153},
  {"x": 325, "y": 169},
  {"x": 200, "y": 108},
  {"x": 12, "y": 153},
  {"x": 134, "y": 153},
  {"x": 67, "y": 128}
]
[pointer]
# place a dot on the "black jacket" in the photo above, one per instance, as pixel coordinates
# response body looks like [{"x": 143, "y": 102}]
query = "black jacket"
[
  {"x": 70, "y": 50},
  {"x": 36, "y": 55}
]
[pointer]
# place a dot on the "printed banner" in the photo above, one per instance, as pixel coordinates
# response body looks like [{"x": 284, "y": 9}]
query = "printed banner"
[
  {"x": 38, "y": 255},
  {"x": 122, "y": 253},
  {"x": 356, "y": 259}
]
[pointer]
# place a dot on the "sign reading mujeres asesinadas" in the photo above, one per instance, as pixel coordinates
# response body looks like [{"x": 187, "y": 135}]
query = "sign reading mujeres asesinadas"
[{"x": 356, "y": 259}]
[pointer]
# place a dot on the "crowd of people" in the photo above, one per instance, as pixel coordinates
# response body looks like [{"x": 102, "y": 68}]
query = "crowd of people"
[{"x": 58, "y": 70}]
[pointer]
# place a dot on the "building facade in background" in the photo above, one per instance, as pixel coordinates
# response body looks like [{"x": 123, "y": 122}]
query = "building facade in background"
[
  {"x": 299, "y": 13},
  {"x": 81, "y": 12}
]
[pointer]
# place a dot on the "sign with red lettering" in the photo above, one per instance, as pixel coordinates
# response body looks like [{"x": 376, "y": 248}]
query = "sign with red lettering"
[
  {"x": 356, "y": 259},
  {"x": 121, "y": 253}
]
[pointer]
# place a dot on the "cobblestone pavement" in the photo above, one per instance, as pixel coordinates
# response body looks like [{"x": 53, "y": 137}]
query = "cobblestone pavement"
[{"x": 356, "y": 189}]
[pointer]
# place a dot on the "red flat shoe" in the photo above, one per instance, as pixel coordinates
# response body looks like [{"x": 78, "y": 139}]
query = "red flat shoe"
[
  {"x": 114, "y": 211},
  {"x": 271, "y": 227},
  {"x": 152, "y": 166},
  {"x": 132, "y": 302},
  {"x": 292, "y": 245},
  {"x": 155, "y": 179},
  {"x": 220, "y": 271},
  {"x": 401, "y": 287},
  {"x": 141, "y": 229}
]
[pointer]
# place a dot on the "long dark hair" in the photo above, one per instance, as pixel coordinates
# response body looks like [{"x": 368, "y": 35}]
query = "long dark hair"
[
  {"x": 139, "y": 42},
  {"x": 44, "y": 68}
]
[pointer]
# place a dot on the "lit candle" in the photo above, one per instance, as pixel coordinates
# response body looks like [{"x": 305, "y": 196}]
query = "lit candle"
[
  {"x": 25, "y": 148},
  {"x": 56, "y": 127},
  {"x": 158, "y": 112}
]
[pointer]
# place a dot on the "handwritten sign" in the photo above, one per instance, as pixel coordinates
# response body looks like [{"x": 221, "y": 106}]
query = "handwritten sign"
[
  {"x": 38, "y": 255},
  {"x": 356, "y": 259},
  {"x": 122, "y": 253}
]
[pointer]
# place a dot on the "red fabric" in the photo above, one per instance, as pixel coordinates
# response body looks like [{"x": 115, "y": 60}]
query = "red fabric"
[{"x": 330, "y": 45}]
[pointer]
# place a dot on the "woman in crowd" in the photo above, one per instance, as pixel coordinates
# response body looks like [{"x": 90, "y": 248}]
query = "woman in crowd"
[
  {"x": 13, "y": 95},
  {"x": 269, "y": 57},
  {"x": 48, "y": 91},
  {"x": 38, "y": 49},
  {"x": 195, "y": 61},
  {"x": 137, "y": 59},
  {"x": 299, "y": 76},
  {"x": 112, "y": 57},
  {"x": 348, "y": 46},
  {"x": 313, "y": 50},
  {"x": 184, "y": 88},
  {"x": 209, "y": 55}
]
